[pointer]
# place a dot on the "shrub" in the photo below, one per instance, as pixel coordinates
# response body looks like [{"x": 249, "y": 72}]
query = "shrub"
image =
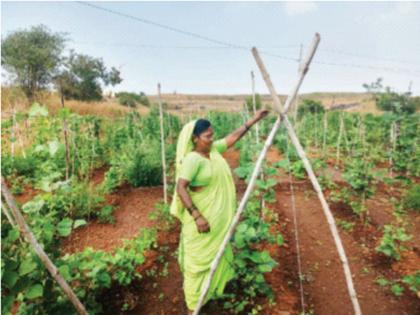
[
  {"x": 132, "y": 99},
  {"x": 310, "y": 106}
]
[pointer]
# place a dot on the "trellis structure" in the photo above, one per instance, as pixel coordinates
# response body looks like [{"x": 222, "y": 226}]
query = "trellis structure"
[{"x": 303, "y": 69}]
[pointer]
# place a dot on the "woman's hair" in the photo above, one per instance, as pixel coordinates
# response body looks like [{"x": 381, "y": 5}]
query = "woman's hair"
[{"x": 200, "y": 126}]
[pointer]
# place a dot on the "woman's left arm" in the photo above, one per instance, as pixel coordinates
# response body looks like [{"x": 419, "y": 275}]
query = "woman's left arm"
[{"x": 238, "y": 133}]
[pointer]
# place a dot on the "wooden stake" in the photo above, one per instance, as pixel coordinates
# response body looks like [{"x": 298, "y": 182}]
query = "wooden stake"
[
  {"x": 162, "y": 141},
  {"x": 254, "y": 106},
  {"x": 324, "y": 139},
  {"x": 259, "y": 162},
  {"x": 65, "y": 137},
  {"x": 393, "y": 144},
  {"x": 340, "y": 132},
  {"x": 25, "y": 230},
  {"x": 13, "y": 133}
]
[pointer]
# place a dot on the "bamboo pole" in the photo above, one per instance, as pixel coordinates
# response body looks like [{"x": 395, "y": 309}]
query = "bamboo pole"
[
  {"x": 13, "y": 133},
  {"x": 258, "y": 164},
  {"x": 257, "y": 135},
  {"x": 340, "y": 132},
  {"x": 324, "y": 138},
  {"x": 393, "y": 145},
  {"x": 66, "y": 141},
  {"x": 162, "y": 141},
  {"x": 327, "y": 212},
  {"x": 25, "y": 230}
]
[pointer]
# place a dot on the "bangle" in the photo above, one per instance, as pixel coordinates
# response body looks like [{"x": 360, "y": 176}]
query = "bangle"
[
  {"x": 196, "y": 217},
  {"x": 191, "y": 210}
]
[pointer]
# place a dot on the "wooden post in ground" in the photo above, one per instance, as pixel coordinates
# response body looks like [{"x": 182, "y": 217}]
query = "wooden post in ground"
[
  {"x": 324, "y": 138},
  {"x": 25, "y": 230},
  {"x": 257, "y": 168},
  {"x": 393, "y": 146},
  {"x": 162, "y": 142},
  {"x": 327, "y": 212},
  {"x": 66, "y": 141},
  {"x": 340, "y": 132},
  {"x": 254, "y": 106},
  {"x": 13, "y": 133},
  {"x": 257, "y": 135}
]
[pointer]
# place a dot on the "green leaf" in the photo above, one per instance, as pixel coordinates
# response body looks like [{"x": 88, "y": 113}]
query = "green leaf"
[
  {"x": 53, "y": 147},
  {"x": 64, "y": 227},
  {"x": 6, "y": 303},
  {"x": 65, "y": 272},
  {"x": 13, "y": 235},
  {"x": 397, "y": 289},
  {"x": 38, "y": 110},
  {"x": 33, "y": 206},
  {"x": 265, "y": 268},
  {"x": 251, "y": 233},
  {"x": 34, "y": 291},
  {"x": 242, "y": 171},
  {"x": 10, "y": 278},
  {"x": 382, "y": 281},
  {"x": 78, "y": 223},
  {"x": 27, "y": 266},
  {"x": 280, "y": 240}
]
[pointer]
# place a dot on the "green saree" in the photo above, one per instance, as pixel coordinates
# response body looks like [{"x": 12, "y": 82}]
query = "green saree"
[{"x": 217, "y": 203}]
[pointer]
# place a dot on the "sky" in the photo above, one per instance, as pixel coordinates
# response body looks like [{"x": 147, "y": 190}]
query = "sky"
[{"x": 360, "y": 42}]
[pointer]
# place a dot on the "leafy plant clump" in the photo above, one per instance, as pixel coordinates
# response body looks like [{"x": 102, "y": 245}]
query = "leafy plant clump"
[{"x": 391, "y": 243}]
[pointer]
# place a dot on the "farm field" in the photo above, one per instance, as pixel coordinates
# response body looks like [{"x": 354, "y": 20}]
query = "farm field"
[
  {"x": 210, "y": 158},
  {"x": 94, "y": 200}
]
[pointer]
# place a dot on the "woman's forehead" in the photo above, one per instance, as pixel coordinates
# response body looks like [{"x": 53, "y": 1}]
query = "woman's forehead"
[{"x": 208, "y": 130}]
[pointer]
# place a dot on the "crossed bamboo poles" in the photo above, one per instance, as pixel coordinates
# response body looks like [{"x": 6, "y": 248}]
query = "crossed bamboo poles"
[{"x": 303, "y": 69}]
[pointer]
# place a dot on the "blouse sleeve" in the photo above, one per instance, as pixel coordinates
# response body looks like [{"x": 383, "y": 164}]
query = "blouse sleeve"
[
  {"x": 189, "y": 167},
  {"x": 220, "y": 145}
]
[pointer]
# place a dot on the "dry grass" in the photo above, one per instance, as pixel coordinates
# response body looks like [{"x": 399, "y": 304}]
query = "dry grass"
[{"x": 108, "y": 107}]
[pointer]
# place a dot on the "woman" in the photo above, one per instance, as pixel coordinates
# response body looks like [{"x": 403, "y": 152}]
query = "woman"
[{"x": 205, "y": 202}]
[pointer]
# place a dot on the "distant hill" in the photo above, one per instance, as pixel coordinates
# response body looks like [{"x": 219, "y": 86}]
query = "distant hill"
[
  {"x": 360, "y": 102},
  {"x": 186, "y": 103}
]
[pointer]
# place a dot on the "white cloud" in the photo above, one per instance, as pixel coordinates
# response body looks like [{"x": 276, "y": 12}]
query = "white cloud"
[{"x": 299, "y": 7}]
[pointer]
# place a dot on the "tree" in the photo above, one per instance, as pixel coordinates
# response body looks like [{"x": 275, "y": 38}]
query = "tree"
[
  {"x": 310, "y": 106},
  {"x": 81, "y": 77},
  {"x": 32, "y": 57},
  {"x": 388, "y": 100}
]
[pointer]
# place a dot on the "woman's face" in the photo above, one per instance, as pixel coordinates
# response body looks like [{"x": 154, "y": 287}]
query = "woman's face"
[{"x": 205, "y": 139}]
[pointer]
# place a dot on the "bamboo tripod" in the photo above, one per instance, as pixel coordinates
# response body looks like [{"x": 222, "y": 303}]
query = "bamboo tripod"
[{"x": 283, "y": 118}]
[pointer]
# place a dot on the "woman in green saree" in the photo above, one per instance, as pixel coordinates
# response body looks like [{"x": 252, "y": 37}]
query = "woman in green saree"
[{"x": 205, "y": 202}]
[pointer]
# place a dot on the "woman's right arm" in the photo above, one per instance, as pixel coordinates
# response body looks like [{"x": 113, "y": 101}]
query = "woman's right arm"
[{"x": 181, "y": 189}]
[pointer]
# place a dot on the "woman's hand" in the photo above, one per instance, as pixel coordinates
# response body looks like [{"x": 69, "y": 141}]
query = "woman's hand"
[{"x": 202, "y": 225}]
